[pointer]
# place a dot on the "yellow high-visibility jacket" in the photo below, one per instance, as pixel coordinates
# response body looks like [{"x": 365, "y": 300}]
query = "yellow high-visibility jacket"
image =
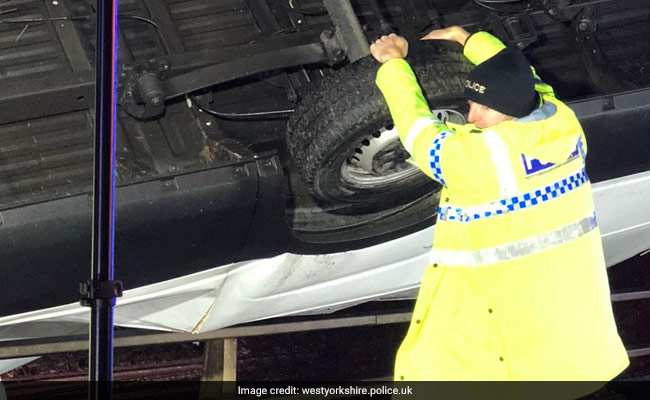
[{"x": 516, "y": 288}]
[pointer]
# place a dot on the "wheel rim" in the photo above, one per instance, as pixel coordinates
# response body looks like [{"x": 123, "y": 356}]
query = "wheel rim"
[{"x": 378, "y": 158}]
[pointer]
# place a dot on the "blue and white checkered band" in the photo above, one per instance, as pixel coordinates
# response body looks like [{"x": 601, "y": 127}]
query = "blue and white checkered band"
[
  {"x": 533, "y": 166},
  {"x": 434, "y": 157},
  {"x": 510, "y": 204}
]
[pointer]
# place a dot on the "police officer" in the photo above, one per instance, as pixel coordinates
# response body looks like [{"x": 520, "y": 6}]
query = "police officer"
[{"x": 516, "y": 288}]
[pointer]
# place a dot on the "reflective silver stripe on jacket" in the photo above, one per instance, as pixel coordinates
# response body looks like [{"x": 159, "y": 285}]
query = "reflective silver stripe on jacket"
[
  {"x": 501, "y": 162},
  {"x": 417, "y": 128},
  {"x": 513, "y": 250}
]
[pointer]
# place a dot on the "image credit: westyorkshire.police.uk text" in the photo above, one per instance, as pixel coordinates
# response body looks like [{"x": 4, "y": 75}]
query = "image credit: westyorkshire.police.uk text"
[{"x": 265, "y": 391}]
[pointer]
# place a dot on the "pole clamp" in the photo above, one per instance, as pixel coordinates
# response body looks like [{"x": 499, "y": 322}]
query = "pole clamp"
[{"x": 94, "y": 289}]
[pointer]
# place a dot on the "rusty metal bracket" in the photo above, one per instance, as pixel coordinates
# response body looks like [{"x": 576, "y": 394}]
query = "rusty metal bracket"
[
  {"x": 519, "y": 30},
  {"x": 332, "y": 46},
  {"x": 140, "y": 91},
  {"x": 348, "y": 29}
]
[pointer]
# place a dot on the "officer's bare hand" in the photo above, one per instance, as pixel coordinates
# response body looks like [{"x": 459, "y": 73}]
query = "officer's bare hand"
[
  {"x": 453, "y": 33},
  {"x": 389, "y": 47}
]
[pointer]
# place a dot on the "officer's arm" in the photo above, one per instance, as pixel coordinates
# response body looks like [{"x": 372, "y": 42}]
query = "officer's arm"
[
  {"x": 420, "y": 132},
  {"x": 481, "y": 46}
]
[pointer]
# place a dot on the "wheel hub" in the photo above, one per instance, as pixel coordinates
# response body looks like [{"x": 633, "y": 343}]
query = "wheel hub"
[{"x": 379, "y": 157}]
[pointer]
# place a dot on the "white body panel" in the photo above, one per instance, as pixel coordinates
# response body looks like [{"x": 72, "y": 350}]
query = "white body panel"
[{"x": 623, "y": 212}]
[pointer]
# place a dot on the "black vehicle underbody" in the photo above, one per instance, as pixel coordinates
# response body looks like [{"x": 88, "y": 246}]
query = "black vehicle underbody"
[{"x": 205, "y": 90}]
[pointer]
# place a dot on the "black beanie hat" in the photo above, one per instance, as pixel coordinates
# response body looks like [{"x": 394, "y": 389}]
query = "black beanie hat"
[{"x": 504, "y": 83}]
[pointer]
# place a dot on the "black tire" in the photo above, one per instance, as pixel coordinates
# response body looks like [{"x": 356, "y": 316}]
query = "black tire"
[{"x": 332, "y": 122}]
